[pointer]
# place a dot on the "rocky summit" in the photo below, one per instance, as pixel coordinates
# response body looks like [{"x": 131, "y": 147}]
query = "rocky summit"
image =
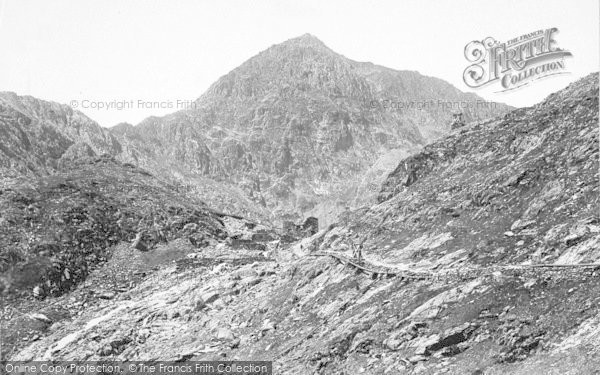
[
  {"x": 296, "y": 131},
  {"x": 298, "y": 128},
  {"x": 478, "y": 255}
]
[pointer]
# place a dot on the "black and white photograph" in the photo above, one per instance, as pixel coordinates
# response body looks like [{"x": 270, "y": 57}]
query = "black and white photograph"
[{"x": 279, "y": 187}]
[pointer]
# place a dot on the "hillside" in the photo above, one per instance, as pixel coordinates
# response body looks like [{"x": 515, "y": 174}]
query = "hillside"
[
  {"x": 297, "y": 125},
  {"x": 36, "y": 135},
  {"x": 40, "y": 138},
  {"x": 56, "y": 229},
  {"x": 298, "y": 130},
  {"x": 100, "y": 225},
  {"x": 452, "y": 282}
]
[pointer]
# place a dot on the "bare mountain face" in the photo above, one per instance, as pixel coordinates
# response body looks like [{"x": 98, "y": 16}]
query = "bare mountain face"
[
  {"x": 40, "y": 138},
  {"x": 297, "y": 130},
  {"x": 474, "y": 263},
  {"x": 299, "y": 125},
  {"x": 36, "y": 136}
]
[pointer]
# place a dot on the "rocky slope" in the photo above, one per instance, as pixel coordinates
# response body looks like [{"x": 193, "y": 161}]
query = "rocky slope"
[
  {"x": 36, "y": 136},
  {"x": 297, "y": 130},
  {"x": 41, "y": 138},
  {"x": 98, "y": 223},
  {"x": 457, "y": 228},
  {"x": 60, "y": 226},
  {"x": 299, "y": 124}
]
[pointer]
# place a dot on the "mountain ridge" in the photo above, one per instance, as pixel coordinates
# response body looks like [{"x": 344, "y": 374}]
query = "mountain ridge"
[
  {"x": 290, "y": 131},
  {"x": 293, "y": 121}
]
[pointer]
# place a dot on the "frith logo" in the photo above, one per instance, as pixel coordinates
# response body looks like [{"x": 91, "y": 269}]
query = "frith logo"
[{"x": 515, "y": 63}]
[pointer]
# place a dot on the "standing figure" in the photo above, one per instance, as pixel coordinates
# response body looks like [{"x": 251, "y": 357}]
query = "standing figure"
[{"x": 357, "y": 251}]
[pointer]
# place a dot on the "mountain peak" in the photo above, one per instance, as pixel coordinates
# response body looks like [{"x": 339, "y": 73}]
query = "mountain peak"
[
  {"x": 307, "y": 36},
  {"x": 305, "y": 40}
]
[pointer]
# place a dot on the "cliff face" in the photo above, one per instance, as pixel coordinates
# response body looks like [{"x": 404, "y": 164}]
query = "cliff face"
[{"x": 299, "y": 124}]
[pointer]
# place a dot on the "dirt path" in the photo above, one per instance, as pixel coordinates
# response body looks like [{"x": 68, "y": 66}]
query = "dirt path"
[{"x": 461, "y": 273}]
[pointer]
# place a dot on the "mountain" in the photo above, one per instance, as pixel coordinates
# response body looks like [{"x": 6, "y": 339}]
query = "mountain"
[
  {"x": 476, "y": 261},
  {"x": 41, "y": 138},
  {"x": 299, "y": 125},
  {"x": 296, "y": 131},
  {"x": 35, "y": 135}
]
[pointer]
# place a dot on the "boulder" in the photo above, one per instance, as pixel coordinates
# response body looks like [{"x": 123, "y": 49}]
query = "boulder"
[
  {"x": 576, "y": 235},
  {"x": 204, "y": 299},
  {"x": 407, "y": 333},
  {"x": 268, "y": 325},
  {"x": 425, "y": 347},
  {"x": 38, "y": 292},
  {"x": 393, "y": 343},
  {"x": 225, "y": 334},
  {"x": 553, "y": 235},
  {"x": 138, "y": 243},
  {"x": 104, "y": 351},
  {"x": 41, "y": 318}
]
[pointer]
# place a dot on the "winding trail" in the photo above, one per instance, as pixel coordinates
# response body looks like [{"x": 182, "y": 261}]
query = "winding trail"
[{"x": 461, "y": 273}]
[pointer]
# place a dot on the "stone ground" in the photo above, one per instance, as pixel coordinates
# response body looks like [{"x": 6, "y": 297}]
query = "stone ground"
[{"x": 520, "y": 190}]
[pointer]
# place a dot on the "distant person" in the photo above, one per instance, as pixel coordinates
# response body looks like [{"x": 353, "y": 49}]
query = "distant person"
[{"x": 357, "y": 251}]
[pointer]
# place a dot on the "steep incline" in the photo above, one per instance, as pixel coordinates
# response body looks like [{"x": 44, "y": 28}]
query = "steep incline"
[
  {"x": 493, "y": 188},
  {"x": 298, "y": 124}
]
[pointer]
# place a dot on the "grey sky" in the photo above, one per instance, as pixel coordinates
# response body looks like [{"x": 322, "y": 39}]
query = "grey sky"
[{"x": 173, "y": 50}]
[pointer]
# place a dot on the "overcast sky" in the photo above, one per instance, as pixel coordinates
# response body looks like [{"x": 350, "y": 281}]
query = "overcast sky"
[{"x": 173, "y": 50}]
